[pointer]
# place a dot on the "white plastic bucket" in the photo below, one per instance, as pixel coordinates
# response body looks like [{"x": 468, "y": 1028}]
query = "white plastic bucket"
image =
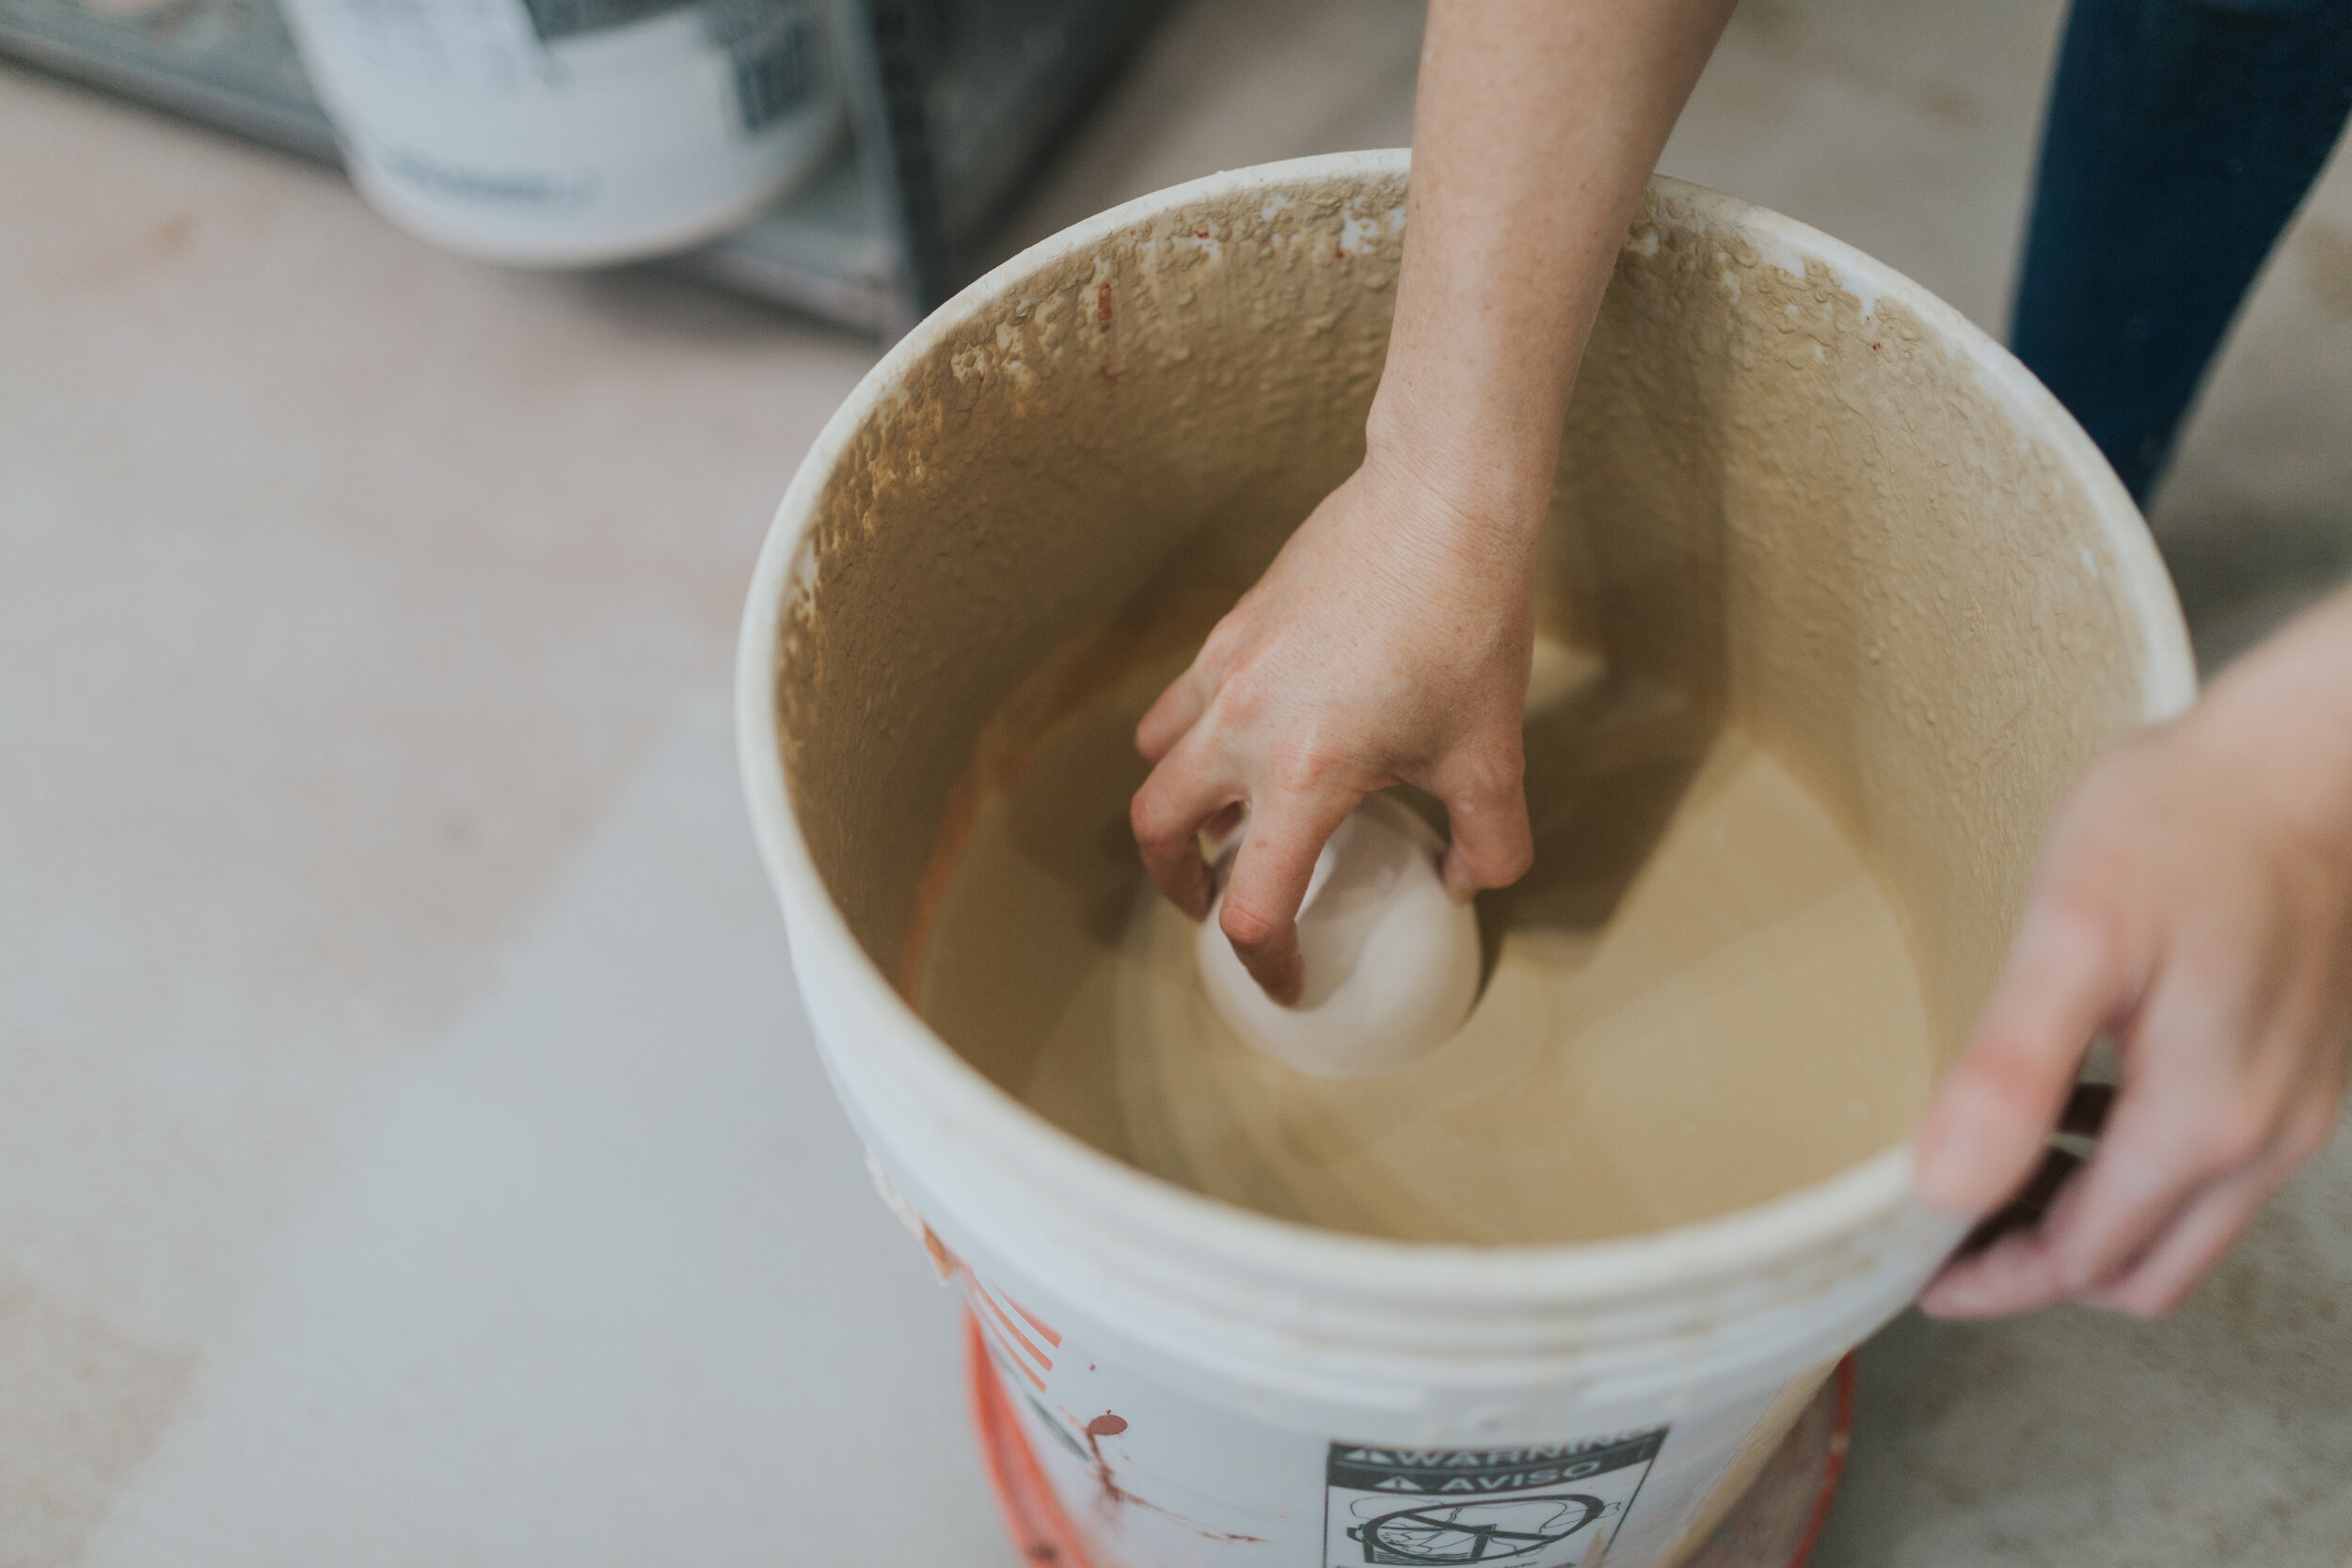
[
  {"x": 571, "y": 133},
  {"x": 1889, "y": 550}
]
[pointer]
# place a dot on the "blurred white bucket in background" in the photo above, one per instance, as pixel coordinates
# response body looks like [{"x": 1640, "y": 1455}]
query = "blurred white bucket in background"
[{"x": 571, "y": 133}]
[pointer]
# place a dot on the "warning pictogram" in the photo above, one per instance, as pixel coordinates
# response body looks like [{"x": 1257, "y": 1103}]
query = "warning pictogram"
[{"x": 1534, "y": 1506}]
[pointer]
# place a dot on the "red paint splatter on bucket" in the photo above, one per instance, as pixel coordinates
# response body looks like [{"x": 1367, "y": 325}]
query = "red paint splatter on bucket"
[{"x": 1109, "y": 1424}]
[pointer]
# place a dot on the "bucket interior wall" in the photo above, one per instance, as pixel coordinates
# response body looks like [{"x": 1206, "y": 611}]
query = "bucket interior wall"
[{"x": 1786, "y": 500}]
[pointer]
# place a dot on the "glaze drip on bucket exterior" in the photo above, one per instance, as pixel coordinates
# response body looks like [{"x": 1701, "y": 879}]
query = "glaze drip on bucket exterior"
[{"x": 1793, "y": 486}]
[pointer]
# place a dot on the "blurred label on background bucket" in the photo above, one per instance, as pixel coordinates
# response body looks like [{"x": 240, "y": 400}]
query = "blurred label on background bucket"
[{"x": 571, "y": 131}]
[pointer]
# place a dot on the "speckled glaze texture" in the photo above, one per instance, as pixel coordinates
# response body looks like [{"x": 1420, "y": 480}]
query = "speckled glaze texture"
[
  {"x": 1780, "y": 489},
  {"x": 1782, "y": 486},
  {"x": 1125, "y": 419}
]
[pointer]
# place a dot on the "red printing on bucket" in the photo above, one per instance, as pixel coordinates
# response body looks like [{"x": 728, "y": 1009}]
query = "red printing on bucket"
[
  {"x": 1033, "y": 1516},
  {"x": 988, "y": 1306},
  {"x": 1043, "y": 1534}
]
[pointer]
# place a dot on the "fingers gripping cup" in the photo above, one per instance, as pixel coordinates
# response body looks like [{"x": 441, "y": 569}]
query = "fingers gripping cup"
[{"x": 1391, "y": 960}]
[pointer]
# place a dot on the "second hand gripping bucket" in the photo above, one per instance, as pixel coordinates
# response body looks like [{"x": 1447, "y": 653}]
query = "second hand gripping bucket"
[{"x": 1890, "y": 554}]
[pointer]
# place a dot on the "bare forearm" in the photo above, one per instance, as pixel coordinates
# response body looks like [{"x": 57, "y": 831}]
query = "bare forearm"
[
  {"x": 1388, "y": 642},
  {"x": 1535, "y": 129}
]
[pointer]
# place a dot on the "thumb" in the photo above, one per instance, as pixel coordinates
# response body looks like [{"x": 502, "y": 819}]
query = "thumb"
[
  {"x": 1985, "y": 1132},
  {"x": 1485, "y": 809}
]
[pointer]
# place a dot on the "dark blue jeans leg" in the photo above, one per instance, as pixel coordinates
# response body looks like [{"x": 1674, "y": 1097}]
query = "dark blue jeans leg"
[{"x": 2181, "y": 136}]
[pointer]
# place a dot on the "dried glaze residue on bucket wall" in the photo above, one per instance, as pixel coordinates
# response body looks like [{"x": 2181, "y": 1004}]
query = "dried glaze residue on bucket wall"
[
  {"x": 1750, "y": 510},
  {"x": 1858, "y": 544},
  {"x": 1126, "y": 394}
]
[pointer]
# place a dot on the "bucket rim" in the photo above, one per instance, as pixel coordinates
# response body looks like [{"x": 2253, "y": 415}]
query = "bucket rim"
[{"x": 1122, "y": 1201}]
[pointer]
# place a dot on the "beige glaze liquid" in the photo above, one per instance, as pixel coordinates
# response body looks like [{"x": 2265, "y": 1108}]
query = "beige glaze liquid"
[{"x": 1698, "y": 1000}]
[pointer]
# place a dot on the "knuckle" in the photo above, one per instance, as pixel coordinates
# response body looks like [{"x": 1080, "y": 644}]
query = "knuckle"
[
  {"x": 2010, "y": 1076},
  {"x": 2147, "y": 1302},
  {"x": 1299, "y": 766},
  {"x": 2076, "y": 1263},
  {"x": 1495, "y": 771},
  {"x": 1250, "y": 930},
  {"x": 1495, "y": 862},
  {"x": 2308, "y": 1131},
  {"x": 2073, "y": 928},
  {"x": 2232, "y": 1137},
  {"x": 1481, "y": 771},
  {"x": 2123, "y": 787},
  {"x": 1246, "y": 696},
  {"x": 1156, "y": 824},
  {"x": 2101, "y": 1277},
  {"x": 2044, "y": 1268},
  {"x": 1223, "y": 643},
  {"x": 1515, "y": 864}
]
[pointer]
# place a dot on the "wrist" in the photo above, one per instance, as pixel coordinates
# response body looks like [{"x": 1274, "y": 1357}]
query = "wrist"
[
  {"x": 1471, "y": 516},
  {"x": 1487, "y": 483},
  {"x": 2301, "y": 674},
  {"x": 2285, "y": 710}
]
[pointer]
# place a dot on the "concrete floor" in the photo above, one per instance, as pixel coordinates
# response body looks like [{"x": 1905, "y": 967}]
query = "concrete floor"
[{"x": 411, "y": 1150}]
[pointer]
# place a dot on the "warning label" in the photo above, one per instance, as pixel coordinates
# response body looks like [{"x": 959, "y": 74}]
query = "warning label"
[{"x": 1540, "y": 1506}]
